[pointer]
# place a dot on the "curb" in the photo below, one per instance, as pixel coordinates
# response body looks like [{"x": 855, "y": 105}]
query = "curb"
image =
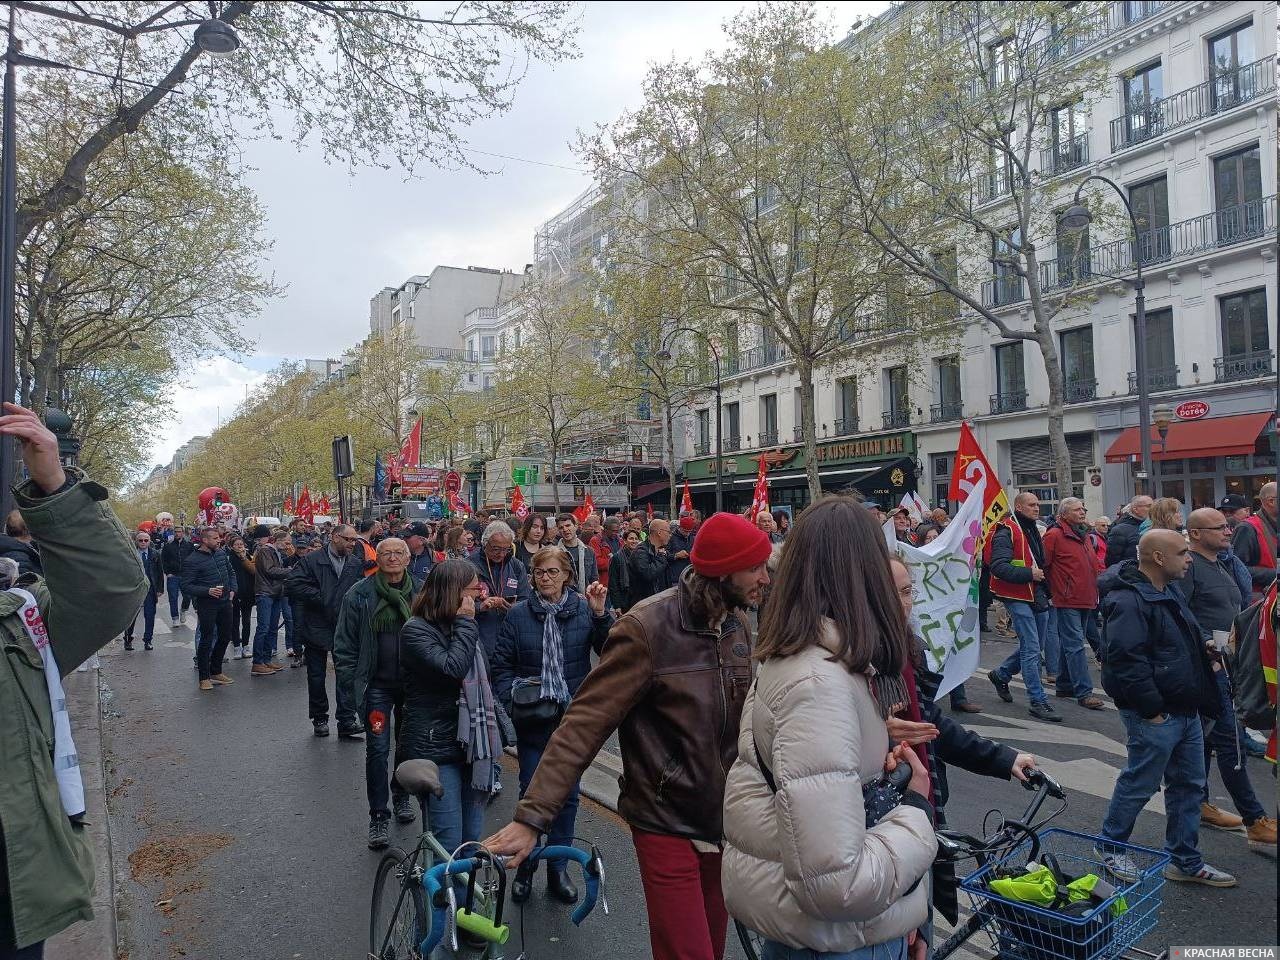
[{"x": 96, "y": 937}]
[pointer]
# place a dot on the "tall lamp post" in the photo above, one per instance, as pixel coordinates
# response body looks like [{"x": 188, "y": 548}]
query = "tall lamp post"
[
  {"x": 664, "y": 355},
  {"x": 214, "y": 37},
  {"x": 1076, "y": 219},
  {"x": 1162, "y": 416}
]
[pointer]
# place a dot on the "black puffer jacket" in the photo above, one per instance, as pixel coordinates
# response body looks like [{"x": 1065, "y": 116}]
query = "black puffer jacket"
[
  {"x": 1153, "y": 660},
  {"x": 1122, "y": 541},
  {"x": 314, "y": 586},
  {"x": 434, "y": 659},
  {"x": 24, "y": 554}
]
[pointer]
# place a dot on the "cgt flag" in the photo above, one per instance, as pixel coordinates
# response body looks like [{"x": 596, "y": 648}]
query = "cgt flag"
[
  {"x": 518, "y": 506},
  {"x": 412, "y": 446},
  {"x": 588, "y": 507},
  {"x": 686, "y": 499},
  {"x": 306, "y": 510},
  {"x": 760, "y": 497},
  {"x": 973, "y": 472}
]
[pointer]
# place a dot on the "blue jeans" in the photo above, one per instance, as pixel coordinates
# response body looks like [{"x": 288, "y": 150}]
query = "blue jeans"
[
  {"x": 175, "y": 594},
  {"x": 1221, "y": 739},
  {"x": 264, "y": 638},
  {"x": 1073, "y": 663},
  {"x": 1030, "y": 627},
  {"x": 1052, "y": 648},
  {"x": 286, "y": 614},
  {"x": 1172, "y": 751},
  {"x": 892, "y": 950},
  {"x": 562, "y": 827},
  {"x": 1093, "y": 632},
  {"x": 377, "y": 749},
  {"x": 459, "y": 814}
]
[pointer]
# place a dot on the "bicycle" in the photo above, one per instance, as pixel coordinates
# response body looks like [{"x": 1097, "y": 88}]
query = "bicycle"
[
  {"x": 413, "y": 907},
  {"x": 1021, "y": 931}
]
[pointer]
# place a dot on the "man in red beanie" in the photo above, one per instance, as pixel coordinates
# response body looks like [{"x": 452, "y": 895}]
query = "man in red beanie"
[{"x": 671, "y": 680}]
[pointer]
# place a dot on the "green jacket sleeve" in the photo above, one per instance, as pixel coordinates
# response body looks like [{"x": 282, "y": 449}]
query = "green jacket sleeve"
[{"x": 91, "y": 568}]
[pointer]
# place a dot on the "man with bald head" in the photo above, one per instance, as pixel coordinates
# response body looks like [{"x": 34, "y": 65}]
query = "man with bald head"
[
  {"x": 652, "y": 567},
  {"x": 1122, "y": 541},
  {"x": 1256, "y": 538},
  {"x": 1156, "y": 666},
  {"x": 317, "y": 585}
]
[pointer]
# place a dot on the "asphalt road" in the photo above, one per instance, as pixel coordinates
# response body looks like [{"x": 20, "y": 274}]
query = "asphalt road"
[{"x": 238, "y": 835}]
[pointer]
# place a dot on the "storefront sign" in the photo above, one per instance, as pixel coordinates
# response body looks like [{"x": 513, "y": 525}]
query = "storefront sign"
[
  {"x": 864, "y": 449},
  {"x": 1192, "y": 410},
  {"x": 422, "y": 482}
]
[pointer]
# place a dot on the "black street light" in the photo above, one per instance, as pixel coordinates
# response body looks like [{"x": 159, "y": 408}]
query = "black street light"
[
  {"x": 1162, "y": 416},
  {"x": 1076, "y": 219},
  {"x": 665, "y": 355},
  {"x": 214, "y": 37}
]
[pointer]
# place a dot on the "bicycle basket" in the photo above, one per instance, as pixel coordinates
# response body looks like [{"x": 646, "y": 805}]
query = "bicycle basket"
[{"x": 1088, "y": 930}]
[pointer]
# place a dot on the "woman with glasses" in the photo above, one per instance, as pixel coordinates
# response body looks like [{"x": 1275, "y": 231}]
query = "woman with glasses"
[{"x": 544, "y": 651}]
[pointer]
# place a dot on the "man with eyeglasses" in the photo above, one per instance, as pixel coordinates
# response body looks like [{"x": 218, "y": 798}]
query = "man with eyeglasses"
[
  {"x": 149, "y": 555},
  {"x": 1215, "y": 595},
  {"x": 317, "y": 584}
]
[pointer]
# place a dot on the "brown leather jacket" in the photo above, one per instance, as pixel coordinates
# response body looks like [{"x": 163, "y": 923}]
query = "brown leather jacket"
[{"x": 674, "y": 691}]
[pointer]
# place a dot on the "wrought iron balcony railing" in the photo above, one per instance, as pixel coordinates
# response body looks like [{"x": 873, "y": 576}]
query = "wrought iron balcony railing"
[
  {"x": 945, "y": 412},
  {"x": 896, "y": 419},
  {"x": 1002, "y": 291},
  {"x": 1009, "y": 401},
  {"x": 1080, "y": 391},
  {"x": 1243, "y": 366},
  {"x": 1062, "y": 157},
  {"x": 844, "y": 428},
  {"x": 1158, "y": 378}
]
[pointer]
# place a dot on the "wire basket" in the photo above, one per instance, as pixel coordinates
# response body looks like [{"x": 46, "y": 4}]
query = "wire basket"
[{"x": 1022, "y": 931}]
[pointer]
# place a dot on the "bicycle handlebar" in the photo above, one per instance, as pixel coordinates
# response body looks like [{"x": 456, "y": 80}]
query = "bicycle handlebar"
[
  {"x": 433, "y": 881},
  {"x": 957, "y": 845}
]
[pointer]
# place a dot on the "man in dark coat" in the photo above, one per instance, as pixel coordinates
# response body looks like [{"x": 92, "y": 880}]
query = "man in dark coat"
[
  {"x": 1122, "y": 540},
  {"x": 651, "y": 563},
  {"x": 207, "y": 578},
  {"x": 149, "y": 555},
  {"x": 317, "y": 584},
  {"x": 16, "y": 544},
  {"x": 172, "y": 555}
]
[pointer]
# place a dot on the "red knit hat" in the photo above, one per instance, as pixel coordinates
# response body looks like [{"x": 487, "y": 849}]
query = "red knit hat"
[{"x": 727, "y": 543}]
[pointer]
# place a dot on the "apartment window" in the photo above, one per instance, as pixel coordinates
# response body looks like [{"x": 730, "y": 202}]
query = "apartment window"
[
  {"x": 488, "y": 381},
  {"x": 1244, "y": 323},
  {"x": 1143, "y": 89},
  {"x": 702, "y": 431},
  {"x": 1066, "y": 123},
  {"x": 732, "y": 426},
  {"x": 1011, "y": 384},
  {"x": 846, "y": 406},
  {"x": 1162, "y": 367},
  {"x": 947, "y": 377},
  {"x": 768, "y": 345},
  {"x": 731, "y": 348},
  {"x": 1135, "y": 10},
  {"x": 897, "y": 399},
  {"x": 1001, "y": 63},
  {"x": 895, "y": 303},
  {"x": 517, "y": 337},
  {"x": 1237, "y": 189},
  {"x": 1073, "y": 254},
  {"x": 486, "y": 347},
  {"x": 502, "y": 344},
  {"x": 768, "y": 419},
  {"x": 941, "y": 480},
  {"x": 1007, "y": 283},
  {"x": 412, "y": 304},
  {"x": 1076, "y": 347},
  {"x": 1150, "y": 202},
  {"x": 1229, "y": 52}
]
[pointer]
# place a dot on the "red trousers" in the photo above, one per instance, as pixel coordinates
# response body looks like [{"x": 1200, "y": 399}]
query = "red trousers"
[{"x": 682, "y": 894}]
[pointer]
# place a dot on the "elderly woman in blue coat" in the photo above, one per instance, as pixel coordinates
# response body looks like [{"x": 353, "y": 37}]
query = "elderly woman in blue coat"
[{"x": 543, "y": 654}]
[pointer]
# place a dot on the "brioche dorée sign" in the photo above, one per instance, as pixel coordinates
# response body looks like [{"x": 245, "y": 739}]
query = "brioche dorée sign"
[{"x": 1192, "y": 410}]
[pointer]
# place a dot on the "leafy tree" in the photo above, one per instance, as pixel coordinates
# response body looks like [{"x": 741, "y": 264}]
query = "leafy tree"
[
  {"x": 939, "y": 119},
  {"x": 725, "y": 177}
]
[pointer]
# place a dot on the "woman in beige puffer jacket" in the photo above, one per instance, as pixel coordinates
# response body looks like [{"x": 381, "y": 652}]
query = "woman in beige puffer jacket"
[{"x": 800, "y": 866}]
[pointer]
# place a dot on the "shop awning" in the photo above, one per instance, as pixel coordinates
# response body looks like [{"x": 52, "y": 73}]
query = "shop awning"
[{"x": 1210, "y": 437}]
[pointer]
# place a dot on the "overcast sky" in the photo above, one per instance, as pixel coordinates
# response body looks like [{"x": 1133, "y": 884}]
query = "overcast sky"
[{"x": 340, "y": 238}]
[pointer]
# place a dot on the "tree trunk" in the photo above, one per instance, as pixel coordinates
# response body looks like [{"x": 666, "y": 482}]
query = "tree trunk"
[
  {"x": 42, "y": 377},
  {"x": 1057, "y": 434},
  {"x": 809, "y": 426},
  {"x": 671, "y": 457},
  {"x": 555, "y": 478}
]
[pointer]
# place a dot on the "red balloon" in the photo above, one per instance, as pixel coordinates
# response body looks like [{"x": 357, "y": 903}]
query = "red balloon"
[{"x": 148, "y": 525}]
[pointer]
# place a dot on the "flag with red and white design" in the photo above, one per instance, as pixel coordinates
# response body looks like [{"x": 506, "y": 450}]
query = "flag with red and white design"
[
  {"x": 760, "y": 496},
  {"x": 518, "y": 506},
  {"x": 686, "y": 499}
]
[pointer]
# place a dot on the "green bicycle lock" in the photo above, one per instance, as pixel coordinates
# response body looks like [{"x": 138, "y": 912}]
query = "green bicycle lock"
[{"x": 481, "y": 926}]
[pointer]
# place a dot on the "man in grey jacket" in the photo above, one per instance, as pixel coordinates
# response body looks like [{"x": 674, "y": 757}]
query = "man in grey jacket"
[{"x": 268, "y": 588}]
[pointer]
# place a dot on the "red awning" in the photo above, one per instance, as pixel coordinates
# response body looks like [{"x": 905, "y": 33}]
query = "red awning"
[{"x": 1210, "y": 437}]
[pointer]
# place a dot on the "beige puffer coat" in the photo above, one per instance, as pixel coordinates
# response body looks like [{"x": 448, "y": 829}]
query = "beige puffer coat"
[{"x": 801, "y": 867}]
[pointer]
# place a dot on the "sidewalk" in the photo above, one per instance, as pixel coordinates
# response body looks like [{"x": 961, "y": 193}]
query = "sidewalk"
[{"x": 97, "y": 937}]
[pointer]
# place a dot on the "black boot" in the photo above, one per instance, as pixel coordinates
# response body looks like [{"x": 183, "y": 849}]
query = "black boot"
[
  {"x": 558, "y": 884},
  {"x": 522, "y": 885}
]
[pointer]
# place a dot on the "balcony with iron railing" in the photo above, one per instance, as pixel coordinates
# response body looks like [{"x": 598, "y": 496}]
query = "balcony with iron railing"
[
  {"x": 1243, "y": 366},
  {"x": 1079, "y": 390},
  {"x": 992, "y": 185},
  {"x": 945, "y": 412},
  {"x": 1099, "y": 25},
  {"x": 1059, "y": 158},
  {"x": 702, "y": 448},
  {"x": 1003, "y": 291},
  {"x": 732, "y": 444},
  {"x": 1224, "y": 92},
  {"x": 768, "y": 438},
  {"x": 844, "y": 428},
  {"x": 1158, "y": 378},
  {"x": 1009, "y": 401},
  {"x": 896, "y": 419}
]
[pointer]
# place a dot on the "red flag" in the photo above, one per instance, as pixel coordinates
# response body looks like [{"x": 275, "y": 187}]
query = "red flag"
[
  {"x": 395, "y": 472},
  {"x": 649, "y": 510},
  {"x": 970, "y": 469},
  {"x": 457, "y": 504},
  {"x": 588, "y": 507},
  {"x": 518, "y": 506},
  {"x": 288, "y": 506},
  {"x": 306, "y": 509},
  {"x": 412, "y": 445},
  {"x": 686, "y": 500},
  {"x": 323, "y": 508},
  {"x": 760, "y": 496}
]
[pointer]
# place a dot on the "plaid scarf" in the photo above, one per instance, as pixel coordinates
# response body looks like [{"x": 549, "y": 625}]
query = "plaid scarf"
[
  {"x": 478, "y": 730},
  {"x": 553, "y": 684}
]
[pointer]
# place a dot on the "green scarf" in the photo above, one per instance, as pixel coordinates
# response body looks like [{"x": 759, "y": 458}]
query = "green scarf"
[{"x": 392, "y": 611}]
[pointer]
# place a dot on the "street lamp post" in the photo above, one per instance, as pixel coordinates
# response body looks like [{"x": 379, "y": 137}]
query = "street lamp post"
[
  {"x": 665, "y": 354},
  {"x": 1162, "y": 416},
  {"x": 1076, "y": 219}
]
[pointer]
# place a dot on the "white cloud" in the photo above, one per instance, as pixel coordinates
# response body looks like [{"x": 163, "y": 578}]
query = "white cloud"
[{"x": 213, "y": 391}]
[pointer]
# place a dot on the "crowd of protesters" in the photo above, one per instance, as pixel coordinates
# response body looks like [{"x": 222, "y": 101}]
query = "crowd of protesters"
[{"x": 451, "y": 641}]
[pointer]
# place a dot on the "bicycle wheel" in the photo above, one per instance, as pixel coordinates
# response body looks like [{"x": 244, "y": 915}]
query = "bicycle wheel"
[
  {"x": 752, "y": 942},
  {"x": 398, "y": 914}
]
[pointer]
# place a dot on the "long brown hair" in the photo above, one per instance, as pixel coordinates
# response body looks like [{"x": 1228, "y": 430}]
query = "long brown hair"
[
  {"x": 835, "y": 565},
  {"x": 441, "y": 594},
  {"x": 527, "y": 526}
]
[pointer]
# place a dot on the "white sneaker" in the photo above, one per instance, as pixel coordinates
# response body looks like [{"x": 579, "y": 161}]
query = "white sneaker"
[
  {"x": 174, "y": 621},
  {"x": 1207, "y": 875},
  {"x": 1119, "y": 865}
]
